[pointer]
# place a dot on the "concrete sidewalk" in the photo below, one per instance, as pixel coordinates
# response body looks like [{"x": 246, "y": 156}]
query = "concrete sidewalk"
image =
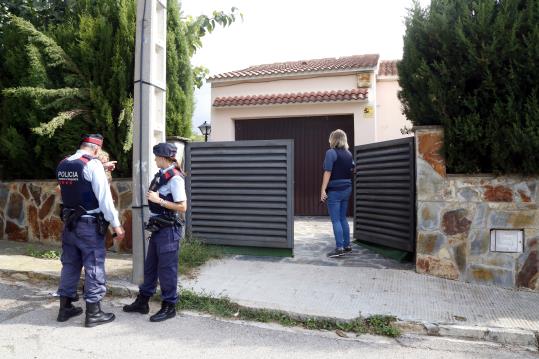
[
  {"x": 443, "y": 307},
  {"x": 425, "y": 304}
]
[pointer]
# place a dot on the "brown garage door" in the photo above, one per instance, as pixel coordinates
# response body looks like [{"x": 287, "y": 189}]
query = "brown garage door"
[{"x": 310, "y": 135}]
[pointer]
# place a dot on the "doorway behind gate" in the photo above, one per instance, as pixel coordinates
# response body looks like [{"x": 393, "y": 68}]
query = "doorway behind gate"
[{"x": 310, "y": 135}]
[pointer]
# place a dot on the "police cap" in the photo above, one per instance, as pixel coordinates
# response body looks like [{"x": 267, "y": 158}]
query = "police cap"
[
  {"x": 94, "y": 138},
  {"x": 164, "y": 150}
]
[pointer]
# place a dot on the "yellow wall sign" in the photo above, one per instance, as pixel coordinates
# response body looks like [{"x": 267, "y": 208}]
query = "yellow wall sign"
[{"x": 368, "y": 112}]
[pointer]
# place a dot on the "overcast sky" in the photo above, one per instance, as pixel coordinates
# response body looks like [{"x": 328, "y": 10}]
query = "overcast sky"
[{"x": 288, "y": 30}]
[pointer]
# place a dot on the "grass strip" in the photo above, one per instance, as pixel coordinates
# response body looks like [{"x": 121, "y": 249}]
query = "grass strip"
[
  {"x": 256, "y": 251},
  {"x": 224, "y": 308},
  {"x": 43, "y": 254},
  {"x": 194, "y": 253}
]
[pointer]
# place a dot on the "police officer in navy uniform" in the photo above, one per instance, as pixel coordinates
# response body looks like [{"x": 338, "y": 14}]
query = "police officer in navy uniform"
[
  {"x": 166, "y": 199},
  {"x": 87, "y": 210}
]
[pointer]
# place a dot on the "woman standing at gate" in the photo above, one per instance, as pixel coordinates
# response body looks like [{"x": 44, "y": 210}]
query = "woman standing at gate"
[{"x": 336, "y": 189}]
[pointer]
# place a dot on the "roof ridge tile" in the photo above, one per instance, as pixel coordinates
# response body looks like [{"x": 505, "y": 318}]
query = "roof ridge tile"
[{"x": 296, "y": 67}]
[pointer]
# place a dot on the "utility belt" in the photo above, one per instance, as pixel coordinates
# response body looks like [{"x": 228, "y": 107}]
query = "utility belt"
[
  {"x": 156, "y": 223},
  {"x": 70, "y": 216}
]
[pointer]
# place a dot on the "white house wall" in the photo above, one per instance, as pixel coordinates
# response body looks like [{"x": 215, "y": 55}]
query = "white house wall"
[
  {"x": 388, "y": 108},
  {"x": 266, "y": 87},
  {"x": 384, "y": 125},
  {"x": 222, "y": 118}
]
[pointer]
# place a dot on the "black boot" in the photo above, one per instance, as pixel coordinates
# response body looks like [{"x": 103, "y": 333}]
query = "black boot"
[
  {"x": 67, "y": 310},
  {"x": 168, "y": 310},
  {"x": 140, "y": 305},
  {"x": 95, "y": 316}
]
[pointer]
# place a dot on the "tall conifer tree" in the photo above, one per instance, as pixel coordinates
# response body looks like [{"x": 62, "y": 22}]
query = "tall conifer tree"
[
  {"x": 472, "y": 66},
  {"x": 67, "y": 68}
]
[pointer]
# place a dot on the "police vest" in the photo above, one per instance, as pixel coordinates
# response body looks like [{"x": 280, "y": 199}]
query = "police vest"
[
  {"x": 76, "y": 190},
  {"x": 159, "y": 181},
  {"x": 342, "y": 168}
]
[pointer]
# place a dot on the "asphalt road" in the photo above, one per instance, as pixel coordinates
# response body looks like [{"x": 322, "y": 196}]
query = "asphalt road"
[{"x": 28, "y": 329}]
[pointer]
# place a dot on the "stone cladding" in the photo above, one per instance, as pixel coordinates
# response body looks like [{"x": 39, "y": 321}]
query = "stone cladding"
[
  {"x": 455, "y": 214},
  {"x": 30, "y": 212}
]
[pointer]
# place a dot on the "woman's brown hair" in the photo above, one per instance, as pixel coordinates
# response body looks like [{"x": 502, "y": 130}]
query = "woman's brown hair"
[{"x": 176, "y": 164}]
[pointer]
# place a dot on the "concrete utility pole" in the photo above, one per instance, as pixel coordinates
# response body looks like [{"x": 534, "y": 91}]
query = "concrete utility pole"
[{"x": 149, "y": 112}]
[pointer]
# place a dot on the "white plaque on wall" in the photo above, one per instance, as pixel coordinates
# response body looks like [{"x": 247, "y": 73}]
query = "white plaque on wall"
[{"x": 507, "y": 240}]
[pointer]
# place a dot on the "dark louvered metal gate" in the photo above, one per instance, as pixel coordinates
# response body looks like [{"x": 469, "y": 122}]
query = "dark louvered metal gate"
[
  {"x": 385, "y": 193},
  {"x": 241, "y": 193}
]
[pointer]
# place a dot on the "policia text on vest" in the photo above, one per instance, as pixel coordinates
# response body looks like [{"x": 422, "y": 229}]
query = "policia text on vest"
[{"x": 87, "y": 210}]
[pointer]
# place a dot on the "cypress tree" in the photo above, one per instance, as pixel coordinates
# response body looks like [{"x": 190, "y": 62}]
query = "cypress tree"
[
  {"x": 471, "y": 66},
  {"x": 180, "y": 86},
  {"x": 67, "y": 68}
]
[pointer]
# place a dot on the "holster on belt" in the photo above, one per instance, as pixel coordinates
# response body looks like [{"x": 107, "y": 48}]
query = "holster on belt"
[
  {"x": 102, "y": 224},
  {"x": 70, "y": 216},
  {"x": 159, "y": 222}
]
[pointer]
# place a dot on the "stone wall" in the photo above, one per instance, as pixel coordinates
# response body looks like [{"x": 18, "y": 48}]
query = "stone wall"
[
  {"x": 455, "y": 214},
  {"x": 29, "y": 212}
]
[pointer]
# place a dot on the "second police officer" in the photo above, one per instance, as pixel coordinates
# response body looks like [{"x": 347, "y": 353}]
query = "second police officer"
[
  {"x": 87, "y": 210},
  {"x": 166, "y": 199}
]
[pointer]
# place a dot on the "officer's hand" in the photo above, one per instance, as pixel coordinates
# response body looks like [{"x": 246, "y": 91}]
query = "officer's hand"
[
  {"x": 153, "y": 196},
  {"x": 110, "y": 165},
  {"x": 120, "y": 233}
]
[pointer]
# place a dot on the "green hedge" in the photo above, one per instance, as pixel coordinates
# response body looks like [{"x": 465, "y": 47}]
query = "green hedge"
[
  {"x": 473, "y": 67},
  {"x": 67, "y": 68}
]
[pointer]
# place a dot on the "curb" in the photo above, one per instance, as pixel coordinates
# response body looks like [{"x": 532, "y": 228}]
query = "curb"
[
  {"x": 507, "y": 336},
  {"x": 114, "y": 288}
]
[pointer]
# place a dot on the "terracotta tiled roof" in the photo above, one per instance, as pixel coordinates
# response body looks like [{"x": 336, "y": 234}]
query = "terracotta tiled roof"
[
  {"x": 388, "y": 68},
  {"x": 287, "y": 98},
  {"x": 298, "y": 67}
]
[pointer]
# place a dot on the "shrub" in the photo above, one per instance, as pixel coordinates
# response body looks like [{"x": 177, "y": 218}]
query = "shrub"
[{"x": 473, "y": 67}]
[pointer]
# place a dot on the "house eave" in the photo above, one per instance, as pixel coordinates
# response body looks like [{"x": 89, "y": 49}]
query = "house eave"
[
  {"x": 366, "y": 100},
  {"x": 216, "y": 82}
]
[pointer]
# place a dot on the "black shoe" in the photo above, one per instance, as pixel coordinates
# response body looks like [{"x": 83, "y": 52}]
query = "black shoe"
[
  {"x": 67, "y": 310},
  {"x": 95, "y": 316},
  {"x": 336, "y": 253},
  {"x": 348, "y": 249},
  {"x": 168, "y": 310},
  {"x": 140, "y": 305}
]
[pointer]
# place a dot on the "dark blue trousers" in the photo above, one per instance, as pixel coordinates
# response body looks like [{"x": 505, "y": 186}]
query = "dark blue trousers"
[
  {"x": 162, "y": 263},
  {"x": 83, "y": 247}
]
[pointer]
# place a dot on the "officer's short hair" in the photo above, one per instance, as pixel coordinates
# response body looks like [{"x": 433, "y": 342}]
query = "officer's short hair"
[{"x": 91, "y": 146}]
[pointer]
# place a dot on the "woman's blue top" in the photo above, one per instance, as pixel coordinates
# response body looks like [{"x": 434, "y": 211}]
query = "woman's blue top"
[{"x": 340, "y": 163}]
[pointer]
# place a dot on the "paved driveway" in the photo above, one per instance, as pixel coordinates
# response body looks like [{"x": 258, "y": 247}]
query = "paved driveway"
[{"x": 313, "y": 238}]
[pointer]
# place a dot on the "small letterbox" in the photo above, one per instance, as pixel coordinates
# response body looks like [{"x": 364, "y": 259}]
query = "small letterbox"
[{"x": 507, "y": 240}]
